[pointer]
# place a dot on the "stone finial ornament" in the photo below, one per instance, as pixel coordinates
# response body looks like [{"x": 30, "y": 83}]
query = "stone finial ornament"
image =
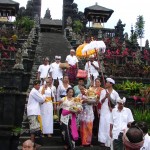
[{"x": 18, "y": 64}]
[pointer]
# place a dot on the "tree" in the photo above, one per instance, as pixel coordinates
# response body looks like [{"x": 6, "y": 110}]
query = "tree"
[
  {"x": 77, "y": 26},
  {"x": 139, "y": 29},
  {"x": 47, "y": 14}
]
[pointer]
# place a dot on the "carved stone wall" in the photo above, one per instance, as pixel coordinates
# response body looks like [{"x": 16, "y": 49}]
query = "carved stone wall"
[
  {"x": 67, "y": 11},
  {"x": 36, "y": 7}
]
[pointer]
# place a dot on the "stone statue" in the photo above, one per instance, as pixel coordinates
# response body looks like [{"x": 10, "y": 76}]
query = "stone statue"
[
  {"x": 138, "y": 57},
  {"x": 101, "y": 60},
  {"x": 18, "y": 64},
  {"x": 37, "y": 21},
  {"x": 100, "y": 34},
  {"x": 69, "y": 22},
  {"x": 4, "y": 28},
  {"x": 119, "y": 28},
  {"x": 113, "y": 43},
  {"x": 21, "y": 12},
  {"x": 25, "y": 50},
  {"x": 126, "y": 36},
  {"x": 123, "y": 46},
  {"x": 147, "y": 44},
  {"x": 74, "y": 36},
  {"x": 79, "y": 39}
]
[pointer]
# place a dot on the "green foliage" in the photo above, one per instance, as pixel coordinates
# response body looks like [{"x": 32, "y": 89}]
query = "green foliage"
[
  {"x": 142, "y": 115},
  {"x": 4, "y": 40},
  {"x": 16, "y": 131},
  {"x": 25, "y": 22},
  {"x": 133, "y": 38},
  {"x": 131, "y": 87},
  {"x": 139, "y": 27},
  {"x": 77, "y": 26}
]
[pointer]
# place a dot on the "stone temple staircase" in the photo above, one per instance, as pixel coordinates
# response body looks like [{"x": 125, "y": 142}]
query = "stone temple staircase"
[{"x": 49, "y": 45}]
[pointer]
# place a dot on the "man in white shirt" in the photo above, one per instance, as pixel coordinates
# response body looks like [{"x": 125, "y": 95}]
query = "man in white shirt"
[
  {"x": 43, "y": 70},
  {"x": 33, "y": 109},
  {"x": 73, "y": 62},
  {"x": 55, "y": 71},
  {"x": 120, "y": 118},
  {"x": 108, "y": 99},
  {"x": 92, "y": 68}
]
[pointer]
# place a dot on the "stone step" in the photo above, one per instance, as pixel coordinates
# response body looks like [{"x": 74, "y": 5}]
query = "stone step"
[
  {"x": 62, "y": 148},
  {"x": 26, "y": 132},
  {"x": 54, "y": 44},
  {"x": 25, "y": 124},
  {"x": 54, "y": 141}
]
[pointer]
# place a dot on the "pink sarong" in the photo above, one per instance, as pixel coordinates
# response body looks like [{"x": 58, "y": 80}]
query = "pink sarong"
[{"x": 74, "y": 130}]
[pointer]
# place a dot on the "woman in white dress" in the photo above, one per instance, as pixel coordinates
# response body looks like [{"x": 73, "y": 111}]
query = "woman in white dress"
[
  {"x": 62, "y": 88},
  {"x": 107, "y": 96},
  {"x": 47, "y": 108},
  {"x": 86, "y": 119},
  {"x": 61, "y": 91}
]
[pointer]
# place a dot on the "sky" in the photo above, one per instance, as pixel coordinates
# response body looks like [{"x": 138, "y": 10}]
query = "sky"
[{"x": 127, "y": 11}]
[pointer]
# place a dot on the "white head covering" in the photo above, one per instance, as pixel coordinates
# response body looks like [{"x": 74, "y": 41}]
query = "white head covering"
[
  {"x": 72, "y": 50},
  {"x": 110, "y": 80},
  {"x": 122, "y": 101},
  {"x": 57, "y": 57},
  {"x": 46, "y": 58}
]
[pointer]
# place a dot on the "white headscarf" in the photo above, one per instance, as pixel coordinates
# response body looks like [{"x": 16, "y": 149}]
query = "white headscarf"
[
  {"x": 110, "y": 80},
  {"x": 122, "y": 101}
]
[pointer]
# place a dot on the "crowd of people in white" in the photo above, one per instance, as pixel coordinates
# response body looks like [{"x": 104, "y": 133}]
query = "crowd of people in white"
[{"x": 53, "y": 91}]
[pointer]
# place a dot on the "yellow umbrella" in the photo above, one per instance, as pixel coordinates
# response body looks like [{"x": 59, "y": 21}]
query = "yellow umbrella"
[{"x": 79, "y": 50}]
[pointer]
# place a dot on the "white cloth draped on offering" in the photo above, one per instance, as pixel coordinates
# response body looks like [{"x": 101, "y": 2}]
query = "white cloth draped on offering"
[
  {"x": 104, "y": 123},
  {"x": 47, "y": 111}
]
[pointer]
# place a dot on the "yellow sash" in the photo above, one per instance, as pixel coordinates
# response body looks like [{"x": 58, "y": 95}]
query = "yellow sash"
[
  {"x": 40, "y": 121},
  {"x": 48, "y": 99}
]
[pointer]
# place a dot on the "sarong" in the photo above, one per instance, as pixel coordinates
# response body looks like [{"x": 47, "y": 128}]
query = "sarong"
[
  {"x": 34, "y": 124},
  {"x": 86, "y": 132},
  {"x": 72, "y": 72}
]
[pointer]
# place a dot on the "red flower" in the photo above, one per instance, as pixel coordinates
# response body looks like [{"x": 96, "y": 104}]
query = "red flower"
[
  {"x": 146, "y": 55},
  {"x": 133, "y": 54},
  {"x": 125, "y": 52},
  {"x": 135, "y": 98},
  {"x": 117, "y": 52},
  {"x": 143, "y": 99}
]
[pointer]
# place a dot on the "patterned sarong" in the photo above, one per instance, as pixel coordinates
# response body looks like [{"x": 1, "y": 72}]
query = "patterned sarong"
[
  {"x": 72, "y": 72},
  {"x": 86, "y": 132},
  {"x": 34, "y": 123}
]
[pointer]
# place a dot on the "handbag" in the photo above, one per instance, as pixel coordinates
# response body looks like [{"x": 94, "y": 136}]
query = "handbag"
[{"x": 81, "y": 74}]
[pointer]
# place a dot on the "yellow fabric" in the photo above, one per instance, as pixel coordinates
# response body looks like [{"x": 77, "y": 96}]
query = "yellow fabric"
[
  {"x": 40, "y": 121},
  {"x": 79, "y": 50},
  {"x": 48, "y": 99}
]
